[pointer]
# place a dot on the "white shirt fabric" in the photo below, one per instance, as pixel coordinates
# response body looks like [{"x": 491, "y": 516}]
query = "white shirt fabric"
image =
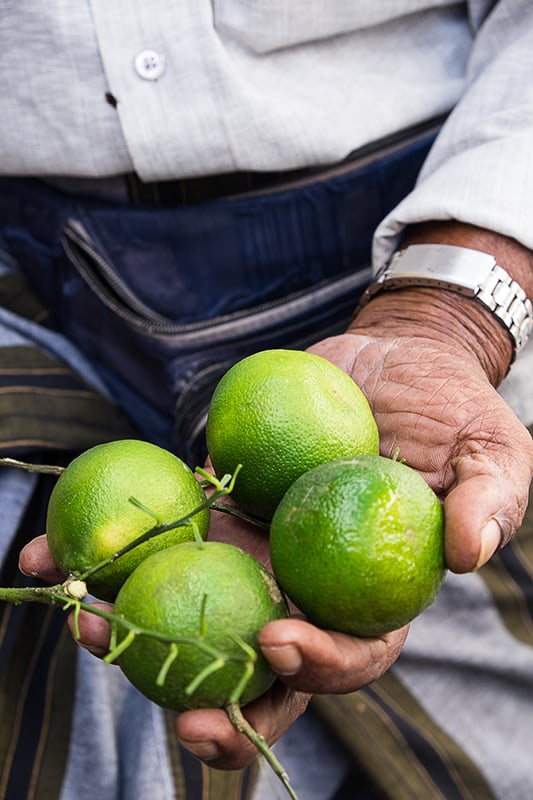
[
  {"x": 180, "y": 89},
  {"x": 233, "y": 84},
  {"x": 206, "y": 87},
  {"x": 481, "y": 168}
]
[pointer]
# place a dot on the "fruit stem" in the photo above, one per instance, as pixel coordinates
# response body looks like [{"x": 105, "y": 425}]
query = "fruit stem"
[
  {"x": 51, "y": 595},
  {"x": 142, "y": 507},
  {"x": 236, "y": 512},
  {"x": 249, "y": 667},
  {"x": 203, "y": 623},
  {"x": 222, "y": 487},
  {"x": 169, "y": 660},
  {"x": 240, "y": 723},
  {"x": 58, "y": 596},
  {"x": 120, "y": 647},
  {"x": 213, "y": 666},
  {"x": 396, "y": 456},
  {"x": 46, "y": 469}
]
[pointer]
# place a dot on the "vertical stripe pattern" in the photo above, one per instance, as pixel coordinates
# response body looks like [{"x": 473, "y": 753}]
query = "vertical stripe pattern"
[
  {"x": 46, "y": 410},
  {"x": 37, "y": 664}
]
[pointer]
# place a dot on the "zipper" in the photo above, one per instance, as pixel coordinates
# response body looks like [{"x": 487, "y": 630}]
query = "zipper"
[
  {"x": 190, "y": 414},
  {"x": 100, "y": 276}
]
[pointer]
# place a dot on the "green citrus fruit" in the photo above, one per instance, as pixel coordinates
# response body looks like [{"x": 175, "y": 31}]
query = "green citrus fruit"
[
  {"x": 90, "y": 515},
  {"x": 213, "y": 595},
  {"x": 279, "y": 413},
  {"x": 358, "y": 545}
]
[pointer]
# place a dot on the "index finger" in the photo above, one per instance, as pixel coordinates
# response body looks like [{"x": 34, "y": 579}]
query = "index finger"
[{"x": 317, "y": 661}]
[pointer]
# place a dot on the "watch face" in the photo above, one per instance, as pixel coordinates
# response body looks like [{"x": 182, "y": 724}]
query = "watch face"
[{"x": 456, "y": 268}]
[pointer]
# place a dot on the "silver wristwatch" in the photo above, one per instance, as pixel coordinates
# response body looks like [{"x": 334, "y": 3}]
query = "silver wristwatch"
[{"x": 468, "y": 272}]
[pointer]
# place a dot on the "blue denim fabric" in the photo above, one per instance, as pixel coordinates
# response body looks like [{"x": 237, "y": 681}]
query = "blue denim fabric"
[{"x": 163, "y": 301}]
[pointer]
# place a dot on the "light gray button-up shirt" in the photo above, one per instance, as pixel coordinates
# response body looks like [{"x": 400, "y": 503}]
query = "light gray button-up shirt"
[
  {"x": 179, "y": 89},
  {"x": 210, "y": 86},
  {"x": 183, "y": 88}
]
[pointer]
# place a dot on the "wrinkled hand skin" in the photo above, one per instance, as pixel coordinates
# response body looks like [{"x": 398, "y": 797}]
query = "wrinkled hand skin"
[
  {"x": 434, "y": 402},
  {"x": 452, "y": 427}
]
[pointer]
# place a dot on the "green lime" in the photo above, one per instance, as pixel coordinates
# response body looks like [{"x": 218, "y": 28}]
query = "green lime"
[
  {"x": 358, "y": 545},
  {"x": 279, "y": 413},
  {"x": 215, "y": 596},
  {"x": 91, "y": 515}
]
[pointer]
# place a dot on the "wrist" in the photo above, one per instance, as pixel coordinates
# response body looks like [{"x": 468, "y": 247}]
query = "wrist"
[
  {"x": 458, "y": 323},
  {"x": 475, "y": 296}
]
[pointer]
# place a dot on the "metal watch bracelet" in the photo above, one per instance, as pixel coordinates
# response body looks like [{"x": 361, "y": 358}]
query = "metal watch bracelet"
[{"x": 469, "y": 272}]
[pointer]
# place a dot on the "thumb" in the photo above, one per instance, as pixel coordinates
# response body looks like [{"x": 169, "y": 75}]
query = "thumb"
[{"x": 485, "y": 509}]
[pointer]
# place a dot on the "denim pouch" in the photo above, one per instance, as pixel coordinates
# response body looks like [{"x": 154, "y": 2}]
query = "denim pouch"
[{"x": 163, "y": 300}]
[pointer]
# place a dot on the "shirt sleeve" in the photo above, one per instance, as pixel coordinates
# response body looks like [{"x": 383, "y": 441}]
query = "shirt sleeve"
[{"x": 480, "y": 169}]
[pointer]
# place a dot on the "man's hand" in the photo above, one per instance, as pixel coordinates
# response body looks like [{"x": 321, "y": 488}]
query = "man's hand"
[{"x": 435, "y": 403}]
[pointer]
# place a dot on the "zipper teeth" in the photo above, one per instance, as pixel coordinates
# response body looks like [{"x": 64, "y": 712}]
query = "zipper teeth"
[
  {"x": 150, "y": 322},
  {"x": 198, "y": 400},
  {"x": 72, "y": 236}
]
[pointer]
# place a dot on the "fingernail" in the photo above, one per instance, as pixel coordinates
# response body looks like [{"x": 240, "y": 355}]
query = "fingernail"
[
  {"x": 31, "y": 574},
  {"x": 285, "y": 660},
  {"x": 205, "y": 751},
  {"x": 491, "y": 536}
]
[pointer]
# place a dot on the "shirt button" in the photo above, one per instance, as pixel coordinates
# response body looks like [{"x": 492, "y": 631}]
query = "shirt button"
[{"x": 149, "y": 65}]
